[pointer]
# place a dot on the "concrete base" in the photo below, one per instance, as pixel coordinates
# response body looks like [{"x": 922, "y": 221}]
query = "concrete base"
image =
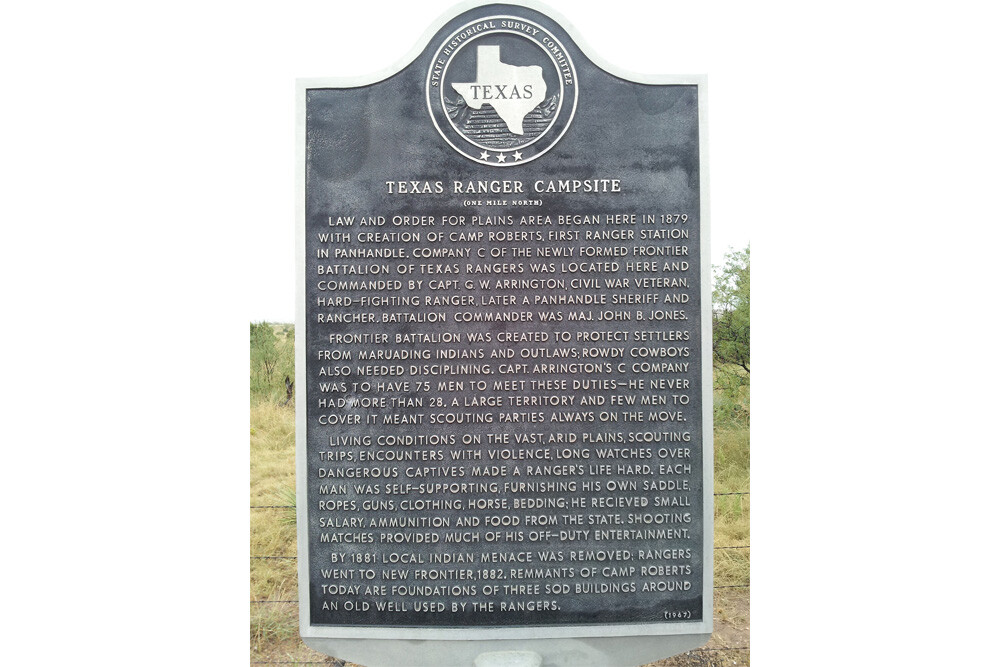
[
  {"x": 564, "y": 652},
  {"x": 508, "y": 659}
]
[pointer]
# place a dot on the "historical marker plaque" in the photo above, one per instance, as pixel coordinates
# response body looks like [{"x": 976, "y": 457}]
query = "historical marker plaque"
[{"x": 504, "y": 407}]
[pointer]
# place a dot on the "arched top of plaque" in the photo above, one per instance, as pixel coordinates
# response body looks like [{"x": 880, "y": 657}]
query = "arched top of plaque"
[{"x": 501, "y": 85}]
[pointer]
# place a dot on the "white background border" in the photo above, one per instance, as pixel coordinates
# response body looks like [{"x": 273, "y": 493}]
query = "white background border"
[{"x": 147, "y": 164}]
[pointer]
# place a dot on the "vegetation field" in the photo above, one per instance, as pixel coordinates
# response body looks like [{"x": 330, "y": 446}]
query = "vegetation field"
[{"x": 273, "y": 580}]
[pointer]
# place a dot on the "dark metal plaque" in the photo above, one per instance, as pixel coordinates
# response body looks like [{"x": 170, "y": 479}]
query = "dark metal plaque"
[{"x": 504, "y": 417}]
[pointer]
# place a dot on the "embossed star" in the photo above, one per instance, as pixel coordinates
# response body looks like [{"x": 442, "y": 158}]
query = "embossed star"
[
  {"x": 484, "y": 156},
  {"x": 517, "y": 155},
  {"x": 501, "y": 158}
]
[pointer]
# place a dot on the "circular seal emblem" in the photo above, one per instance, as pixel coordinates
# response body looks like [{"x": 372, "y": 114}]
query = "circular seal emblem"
[{"x": 501, "y": 90}]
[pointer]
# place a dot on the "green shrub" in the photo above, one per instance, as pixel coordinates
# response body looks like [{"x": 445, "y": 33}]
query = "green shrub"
[{"x": 272, "y": 359}]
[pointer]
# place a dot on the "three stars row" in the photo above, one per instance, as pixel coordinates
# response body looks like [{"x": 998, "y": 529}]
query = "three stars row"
[{"x": 501, "y": 157}]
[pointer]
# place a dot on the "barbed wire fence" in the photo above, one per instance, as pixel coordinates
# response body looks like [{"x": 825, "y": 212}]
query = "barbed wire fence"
[{"x": 301, "y": 662}]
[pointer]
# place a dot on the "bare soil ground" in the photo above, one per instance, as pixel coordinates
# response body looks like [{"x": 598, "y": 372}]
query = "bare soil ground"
[{"x": 729, "y": 644}]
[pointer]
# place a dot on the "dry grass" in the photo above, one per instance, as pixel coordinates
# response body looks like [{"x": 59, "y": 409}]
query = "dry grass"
[
  {"x": 732, "y": 476},
  {"x": 732, "y": 512},
  {"x": 274, "y": 636},
  {"x": 272, "y": 474},
  {"x": 274, "y": 626},
  {"x": 272, "y": 452}
]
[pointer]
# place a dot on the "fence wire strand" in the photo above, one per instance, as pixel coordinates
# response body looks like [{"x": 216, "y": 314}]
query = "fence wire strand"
[
  {"x": 291, "y": 507},
  {"x": 744, "y": 546},
  {"x": 296, "y": 601},
  {"x": 304, "y": 662}
]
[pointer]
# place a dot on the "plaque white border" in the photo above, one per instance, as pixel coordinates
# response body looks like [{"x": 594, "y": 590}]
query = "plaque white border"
[{"x": 599, "y": 645}]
